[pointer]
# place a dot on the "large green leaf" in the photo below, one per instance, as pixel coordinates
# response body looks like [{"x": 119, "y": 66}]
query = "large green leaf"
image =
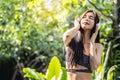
[
  {"x": 54, "y": 69},
  {"x": 64, "y": 74},
  {"x": 32, "y": 74}
]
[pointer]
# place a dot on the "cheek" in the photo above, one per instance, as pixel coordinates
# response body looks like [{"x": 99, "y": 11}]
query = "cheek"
[{"x": 92, "y": 23}]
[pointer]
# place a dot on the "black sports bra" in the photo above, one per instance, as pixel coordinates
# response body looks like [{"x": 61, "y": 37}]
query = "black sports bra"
[{"x": 85, "y": 60}]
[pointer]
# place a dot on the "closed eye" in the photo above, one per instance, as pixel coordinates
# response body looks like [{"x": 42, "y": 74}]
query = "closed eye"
[{"x": 91, "y": 17}]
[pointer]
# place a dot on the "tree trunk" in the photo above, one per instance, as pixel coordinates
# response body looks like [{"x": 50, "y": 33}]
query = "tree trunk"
[
  {"x": 116, "y": 23},
  {"x": 116, "y": 31}
]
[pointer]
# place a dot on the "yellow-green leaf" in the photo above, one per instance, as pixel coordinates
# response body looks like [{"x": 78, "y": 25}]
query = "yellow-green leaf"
[
  {"x": 54, "y": 69},
  {"x": 84, "y": 3}
]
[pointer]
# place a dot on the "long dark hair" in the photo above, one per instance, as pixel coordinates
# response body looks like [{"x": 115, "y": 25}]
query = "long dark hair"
[{"x": 77, "y": 46}]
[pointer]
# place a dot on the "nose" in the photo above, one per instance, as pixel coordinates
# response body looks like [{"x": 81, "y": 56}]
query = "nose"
[{"x": 87, "y": 18}]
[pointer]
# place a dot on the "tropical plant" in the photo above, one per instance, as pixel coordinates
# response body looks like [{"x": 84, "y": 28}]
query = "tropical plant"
[
  {"x": 31, "y": 33},
  {"x": 54, "y": 72}
]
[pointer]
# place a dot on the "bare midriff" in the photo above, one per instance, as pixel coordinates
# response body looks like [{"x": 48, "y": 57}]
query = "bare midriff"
[{"x": 78, "y": 75}]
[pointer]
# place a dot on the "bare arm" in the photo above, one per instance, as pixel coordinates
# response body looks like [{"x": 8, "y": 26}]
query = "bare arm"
[
  {"x": 96, "y": 50},
  {"x": 69, "y": 34},
  {"x": 95, "y": 55}
]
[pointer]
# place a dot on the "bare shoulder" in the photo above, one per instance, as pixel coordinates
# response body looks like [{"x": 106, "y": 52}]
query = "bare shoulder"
[{"x": 99, "y": 46}]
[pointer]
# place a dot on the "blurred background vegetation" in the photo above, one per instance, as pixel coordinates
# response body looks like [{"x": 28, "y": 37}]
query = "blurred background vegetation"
[{"x": 31, "y": 34}]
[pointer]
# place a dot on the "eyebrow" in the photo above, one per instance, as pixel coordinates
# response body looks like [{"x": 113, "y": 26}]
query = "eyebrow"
[{"x": 91, "y": 16}]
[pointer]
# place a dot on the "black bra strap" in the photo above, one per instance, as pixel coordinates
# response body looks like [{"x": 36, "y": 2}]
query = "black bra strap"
[{"x": 79, "y": 70}]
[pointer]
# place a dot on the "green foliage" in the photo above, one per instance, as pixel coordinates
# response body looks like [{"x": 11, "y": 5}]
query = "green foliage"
[
  {"x": 54, "y": 72},
  {"x": 32, "y": 74},
  {"x": 110, "y": 74},
  {"x": 26, "y": 31},
  {"x": 84, "y": 3},
  {"x": 64, "y": 74},
  {"x": 53, "y": 69},
  {"x": 31, "y": 31}
]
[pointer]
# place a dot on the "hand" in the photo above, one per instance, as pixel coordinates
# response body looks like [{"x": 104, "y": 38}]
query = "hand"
[
  {"x": 93, "y": 38},
  {"x": 77, "y": 22},
  {"x": 92, "y": 42}
]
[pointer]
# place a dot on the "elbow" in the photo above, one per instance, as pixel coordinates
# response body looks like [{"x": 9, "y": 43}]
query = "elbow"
[
  {"x": 66, "y": 39},
  {"x": 95, "y": 66},
  {"x": 98, "y": 64}
]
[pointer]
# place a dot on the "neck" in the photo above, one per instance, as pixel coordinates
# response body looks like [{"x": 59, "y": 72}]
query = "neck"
[{"x": 87, "y": 36}]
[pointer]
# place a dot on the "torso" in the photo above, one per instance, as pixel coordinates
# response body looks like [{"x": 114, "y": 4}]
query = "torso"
[
  {"x": 87, "y": 49},
  {"x": 79, "y": 75}
]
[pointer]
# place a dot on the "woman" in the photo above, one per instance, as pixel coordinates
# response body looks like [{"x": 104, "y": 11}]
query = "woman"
[{"x": 83, "y": 50}]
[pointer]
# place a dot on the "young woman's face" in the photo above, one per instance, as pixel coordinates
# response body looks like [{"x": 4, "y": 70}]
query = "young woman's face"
[{"x": 88, "y": 21}]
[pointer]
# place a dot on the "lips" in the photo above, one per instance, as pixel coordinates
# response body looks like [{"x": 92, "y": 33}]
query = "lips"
[{"x": 86, "y": 23}]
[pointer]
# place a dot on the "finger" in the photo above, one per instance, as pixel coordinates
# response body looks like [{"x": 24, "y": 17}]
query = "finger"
[
  {"x": 76, "y": 22},
  {"x": 77, "y": 18},
  {"x": 94, "y": 36},
  {"x": 96, "y": 31}
]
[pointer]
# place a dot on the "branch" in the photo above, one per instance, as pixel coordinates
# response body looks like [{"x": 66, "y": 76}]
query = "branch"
[
  {"x": 107, "y": 54},
  {"x": 100, "y": 10},
  {"x": 18, "y": 70},
  {"x": 33, "y": 61},
  {"x": 106, "y": 58}
]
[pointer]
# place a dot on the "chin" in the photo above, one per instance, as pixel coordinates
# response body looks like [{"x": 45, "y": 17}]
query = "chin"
[
  {"x": 83, "y": 27},
  {"x": 86, "y": 28}
]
